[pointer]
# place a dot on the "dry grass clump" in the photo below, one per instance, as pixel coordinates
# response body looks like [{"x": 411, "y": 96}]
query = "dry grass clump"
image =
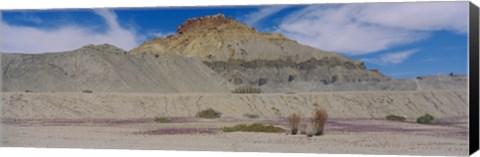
[
  {"x": 318, "y": 121},
  {"x": 247, "y": 89},
  {"x": 257, "y": 127},
  {"x": 251, "y": 115},
  {"x": 393, "y": 117},
  {"x": 163, "y": 120},
  {"x": 312, "y": 128},
  {"x": 87, "y": 91},
  {"x": 209, "y": 113},
  {"x": 294, "y": 121},
  {"x": 315, "y": 125}
]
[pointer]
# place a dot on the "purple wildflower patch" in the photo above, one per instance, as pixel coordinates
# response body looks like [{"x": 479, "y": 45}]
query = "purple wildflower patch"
[{"x": 180, "y": 131}]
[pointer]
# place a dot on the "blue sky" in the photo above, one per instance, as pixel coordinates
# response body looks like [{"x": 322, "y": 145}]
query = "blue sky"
[{"x": 400, "y": 39}]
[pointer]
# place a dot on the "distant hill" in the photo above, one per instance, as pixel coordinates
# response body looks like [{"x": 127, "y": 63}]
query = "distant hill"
[
  {"x": 244, "y": 56},
  {"x": 107, "y": 68}
]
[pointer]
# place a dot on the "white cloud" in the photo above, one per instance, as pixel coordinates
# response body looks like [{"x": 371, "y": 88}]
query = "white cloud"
[
  {"x": 254, "y": 17},
  {"x": 161, "y": 34},
  {"x": 31, "y": 18},
  {"x": 392, "y": 58},
  {"x": 68, "y": 37},
  {"x": 419, "y": 16},
  {"x": 357, "y": 29}
]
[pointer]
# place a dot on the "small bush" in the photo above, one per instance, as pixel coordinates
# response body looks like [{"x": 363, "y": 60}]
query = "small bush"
[
  {"x": 318, "y": 121},
  {"x": 425, "y": 119},
  {"x": 251, "y": 116},
  {"x": 163, "y": 120},
  {"x": 294, "y": 121},
  {"x": 247, "y": 89},
  {"x": 87, "y": 91},
  {"x": 28, "y": 91},
  {"x": 303, "y": 129},
  {"x": 209, "y": 113},
  {"x": 257, "y": 127},
  {"x": 275, "y": 109},
  {"x": 393, "y": 117},
  {"x": 312, "y": 128},
  {"x": 238, "y": 127}
]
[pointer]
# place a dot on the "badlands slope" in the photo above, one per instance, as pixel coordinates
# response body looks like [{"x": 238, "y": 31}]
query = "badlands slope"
[
  {"x": 241, "y": 55},
  {"x": 440, "y": 103},
  {"x": 103, "y": 68}
]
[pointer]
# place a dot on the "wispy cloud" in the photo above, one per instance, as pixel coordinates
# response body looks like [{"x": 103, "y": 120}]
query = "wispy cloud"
[
  {"x": 30, "y": 18},
  {"x": 28, "y": 39},
  {"x": 392, "y": 58},
  {"x": 419, "y": 16},
  {"x": 161, "y": 34},
  {"x": 254, "y": 17},
  {"x": 357, "y": 29}
]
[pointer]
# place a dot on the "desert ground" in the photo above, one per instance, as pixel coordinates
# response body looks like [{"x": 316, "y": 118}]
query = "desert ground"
[{"x": 356, "y": 121}]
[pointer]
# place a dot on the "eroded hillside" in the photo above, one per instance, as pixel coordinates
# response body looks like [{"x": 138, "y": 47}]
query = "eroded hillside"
[
  {"x": 107, "y": 68},
  {"x": 244, "y": 56}
]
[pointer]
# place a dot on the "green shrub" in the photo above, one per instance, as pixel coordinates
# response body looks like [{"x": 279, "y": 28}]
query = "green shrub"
[
  {"x": 238, "y": 127},
  {"x": 163, "y": 120},
  {"x": 425, "y": 119},
  {"x": 209, "y": 113},
  {"x": 87, "y": 91},
  {"x": 257, "y": 127},
  {"x": 250, "y": 115},
  {"x": 247, "y": 89},
  {"x": 393, "y": 117},
  {"x": 28, "y": 91}
]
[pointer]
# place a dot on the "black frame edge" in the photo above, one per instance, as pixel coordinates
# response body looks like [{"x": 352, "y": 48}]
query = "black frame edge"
[{"x": 473, "y": 78}]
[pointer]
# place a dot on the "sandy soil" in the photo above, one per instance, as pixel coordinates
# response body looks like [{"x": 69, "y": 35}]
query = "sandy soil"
[
  {"x": 359, "y": 136},
  {"x": 125, "y": 121}
]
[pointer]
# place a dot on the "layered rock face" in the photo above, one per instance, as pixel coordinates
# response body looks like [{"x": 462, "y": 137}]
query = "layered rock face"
[
  {"x": 244, "y": 56},
  {"x": 424, "y": 83},
  {"x": 106, "y": 68}
]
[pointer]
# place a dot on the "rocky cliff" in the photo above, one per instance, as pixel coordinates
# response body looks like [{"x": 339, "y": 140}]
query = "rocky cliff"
[{"x": 244, "y": 56}]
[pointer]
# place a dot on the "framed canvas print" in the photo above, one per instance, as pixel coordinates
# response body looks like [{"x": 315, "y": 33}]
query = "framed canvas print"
[{"x": 353, "y": 78}]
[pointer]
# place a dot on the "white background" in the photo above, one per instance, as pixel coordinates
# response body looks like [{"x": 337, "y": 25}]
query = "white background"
[{"x": 61, "y": 152}]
